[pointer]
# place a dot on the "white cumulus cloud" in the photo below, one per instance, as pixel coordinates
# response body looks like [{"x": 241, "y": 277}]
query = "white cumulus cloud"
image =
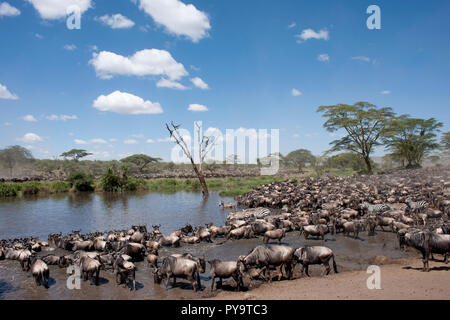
[
  {"x": 165, "y": 83},
  {"x": 323, "y": 57},
  {"x": 197, "y": 108},
  {"x": 142, "y": 63},
  {"x": 29, "y": 118},
  {"x": 311, "y": 34},
  {"x": 5, "y": 94},
  {"x": 130, "y": 141},
  {"x": 386, "y": 92},
  {"x": 8, "y": 10},
  {"x": 57, "y": 9},
  {"x": 62, "y": 117},
  {"x": 178, "y": 18},
  {"x": 296, "y": 92},
  {"x": 30, "y": 138},
  {"x": 199, "y": 83},
  {"x": 126, "y": 103},
  {"x": 70, "y": 47},
  {"x": 362, "y": 58},
  {"x": 116, "y": 21}
]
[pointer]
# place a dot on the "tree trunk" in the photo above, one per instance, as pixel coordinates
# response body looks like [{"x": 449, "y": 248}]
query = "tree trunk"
[
  {"x": 202, "y": 180},
  {"x": 368, "y": 164}
]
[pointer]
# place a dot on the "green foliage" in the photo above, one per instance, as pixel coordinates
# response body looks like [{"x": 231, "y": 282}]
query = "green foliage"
[
  {"x": 348, "y": 160},
  {"x": 299, "y": 159},
  {"x": 81, "y": 181},
  {"x": 110, "y": 182},
  {"x": 410, "y": 139},
  {"x": 364, "y": 124},
  {"x": 136, "y": 185},
  {"x": 9, "y": 189},
  {"x": 140, "y": 160},
  {"x": 445, "y": 141},
  {"x": 76, "y": 154}
]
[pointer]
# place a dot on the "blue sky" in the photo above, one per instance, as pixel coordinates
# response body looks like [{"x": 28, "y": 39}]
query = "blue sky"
[{"x": 248, "y": 55}]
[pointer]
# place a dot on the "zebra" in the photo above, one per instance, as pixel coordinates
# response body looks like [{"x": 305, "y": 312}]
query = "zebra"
[
  {"x": 375, "y": 208},
  {"x": 418, "y": 206}
]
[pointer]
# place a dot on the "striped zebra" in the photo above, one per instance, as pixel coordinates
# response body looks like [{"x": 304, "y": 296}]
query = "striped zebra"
[
  {"x": 375, "y": 208},
  {"x": 418, "y": 206}
]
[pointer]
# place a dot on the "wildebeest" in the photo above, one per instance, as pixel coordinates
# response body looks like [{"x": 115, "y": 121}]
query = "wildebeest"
[
  {"x": 178, "y": 268},
  {"x": 135, "y": 250},
  {"x": 40, "y": 271},
  {"x": 427, "y": 243},
  {"x": 315, "y": 255},
  {"x": 224, "y": 270},
  {"x": 274, "y": 234},
  {"x": 242, "y": 232},
  {"x": 90, "y": 267},
  {"x": 277, "y": 256},
  {"x": 227, "y": 205},
  {"x": 125, "y": 270},
  {"x": 353, "y": 226},
  {"x": 218, "y": 231},
  {"x": 152, "y": 260},
  {"x": 316, "y": 230}
]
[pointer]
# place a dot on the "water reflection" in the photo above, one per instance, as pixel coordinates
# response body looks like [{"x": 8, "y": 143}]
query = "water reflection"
[{"x": 40, "y": 216}]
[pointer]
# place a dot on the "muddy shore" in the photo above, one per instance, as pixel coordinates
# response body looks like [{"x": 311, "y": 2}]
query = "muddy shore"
[{"x": 401, "y": 279}]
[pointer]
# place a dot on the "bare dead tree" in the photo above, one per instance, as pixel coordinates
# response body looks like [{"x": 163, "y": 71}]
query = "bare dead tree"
[{"x": 205, "y": 145}]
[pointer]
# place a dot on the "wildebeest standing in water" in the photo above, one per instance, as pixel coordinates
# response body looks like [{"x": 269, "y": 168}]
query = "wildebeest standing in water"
[
  {"x": 264, "y": 257},
  {"x": 89, "y": 267},
  {"x": 225, "y": 269},
  {"x": 40, "y": 271},
  {"x": 315, "y": 255},
  {"x": 178, "y": 268}
]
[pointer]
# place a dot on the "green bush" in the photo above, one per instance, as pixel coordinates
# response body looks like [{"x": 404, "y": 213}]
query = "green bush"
[
  {"x": 81, "y": 181},
  {"x": 30, "y": 187},
  {"x": 110, "y": 182},
  {"x": 9, "y": 189},
  {"x": 136, "y": 184},
  {"x": 59, "y": 186}
]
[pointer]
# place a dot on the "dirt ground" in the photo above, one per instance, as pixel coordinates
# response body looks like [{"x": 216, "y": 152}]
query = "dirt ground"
[{"x": 402, "y": 280}]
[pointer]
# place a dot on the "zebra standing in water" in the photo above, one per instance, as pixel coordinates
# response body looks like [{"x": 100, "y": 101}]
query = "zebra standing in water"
[
  {"x": 418, "y": 206},
  {"x": 375, "y": 208}
]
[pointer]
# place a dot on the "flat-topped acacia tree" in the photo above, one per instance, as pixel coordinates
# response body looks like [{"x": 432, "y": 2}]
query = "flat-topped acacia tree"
[
  {"x": 205, "y": 145},
  {"x": 76, "y": 154},
  {"x": 364, "y": 124}
]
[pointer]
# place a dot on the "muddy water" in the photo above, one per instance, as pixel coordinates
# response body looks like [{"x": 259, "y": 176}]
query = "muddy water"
[
  {"x": 350, "y": 255},
  {"x": 40, "y": 216}
]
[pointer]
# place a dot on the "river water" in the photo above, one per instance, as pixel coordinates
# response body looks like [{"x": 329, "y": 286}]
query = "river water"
[
  {"x": 40, "y": 216},
  {"x": 96, "y": 212}
]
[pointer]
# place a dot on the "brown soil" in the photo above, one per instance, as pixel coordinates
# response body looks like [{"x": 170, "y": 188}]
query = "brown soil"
[{"x": 403, "y": 280}]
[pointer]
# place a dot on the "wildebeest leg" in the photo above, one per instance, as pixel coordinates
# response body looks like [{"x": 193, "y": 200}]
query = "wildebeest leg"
[
  {"x": 199, "y": 284},
  {"x": 326, "y": 264},
  {"x": 174, "y": 282},
  {"x": 167, "y": 281},
  {"x": 134, "y": 280},
  {"x": 306, "y": 270},
  {"x": 46, "y": 276},
  {"x": 446, "y": 258},
  {"x": 212, "y": 282},
  {"x": 237, "y": 280},
  {"x": 97, "y": 274},
  {"x": 36, "y": 279},
  {"x": 118, "y": 281},
  {"x": 280, "y": 274}
]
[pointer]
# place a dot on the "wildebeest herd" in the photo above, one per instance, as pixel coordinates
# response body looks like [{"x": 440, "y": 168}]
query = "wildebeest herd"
[{"x": 414, "y": 204}]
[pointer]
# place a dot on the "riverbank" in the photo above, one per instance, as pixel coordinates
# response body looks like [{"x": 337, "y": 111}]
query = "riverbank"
[
  {"x": 402, "y": 279},
  {"x": 227, "y": 187}
]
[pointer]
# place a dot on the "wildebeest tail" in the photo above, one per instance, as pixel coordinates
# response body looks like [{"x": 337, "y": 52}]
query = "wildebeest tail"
[{"x": 334, "y": 265}]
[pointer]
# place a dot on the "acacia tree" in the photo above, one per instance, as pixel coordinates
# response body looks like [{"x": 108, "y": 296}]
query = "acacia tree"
[
  {"x": 410, "y": 139},
  {"x": 445, "y": 141},
  {"x": 299, "y": 159},
  {"x": 140, "y": 160},
  {"x": 205, "y": 145},
  {"x": 364, "y": 123},
  {"x": 15, "y": 155},
  {"x": 75, "y": 154}
]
